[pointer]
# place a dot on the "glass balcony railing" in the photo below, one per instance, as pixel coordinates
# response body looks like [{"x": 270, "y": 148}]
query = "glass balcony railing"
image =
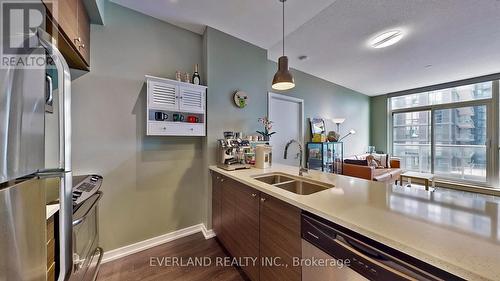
[{"x": 451, "y": 161}]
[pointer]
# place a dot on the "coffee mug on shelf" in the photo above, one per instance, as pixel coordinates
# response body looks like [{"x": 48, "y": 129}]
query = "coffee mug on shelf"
[
  {"x": 178, "y": 117},
  {"x": 160, "y": 116},
  {"x": 193, "y": 119}
]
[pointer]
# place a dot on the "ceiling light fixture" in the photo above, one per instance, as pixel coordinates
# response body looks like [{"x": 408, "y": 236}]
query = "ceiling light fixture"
[
  {"x": 283, "y": 79},
  {"x": 386, "y": 39}
]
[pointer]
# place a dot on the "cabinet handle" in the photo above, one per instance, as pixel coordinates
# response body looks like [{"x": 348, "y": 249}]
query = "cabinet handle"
[
  {"x": 82, "y": 46},
  {"x": 254, "y": 195},
  {"x": 262, "y": 199},
  {"x": 78, "y": 39},
  {"x": 221, "y": 180}
]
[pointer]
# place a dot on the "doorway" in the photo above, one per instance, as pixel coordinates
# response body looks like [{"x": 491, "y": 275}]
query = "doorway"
[{"x": 287, "y": 113}]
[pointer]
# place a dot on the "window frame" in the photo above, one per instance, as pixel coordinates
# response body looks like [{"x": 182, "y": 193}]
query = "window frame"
[{"x": 492, "y": 134}]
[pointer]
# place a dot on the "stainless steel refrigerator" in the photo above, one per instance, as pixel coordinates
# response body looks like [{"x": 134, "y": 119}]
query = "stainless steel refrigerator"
[{"x": 24, "y": 95}]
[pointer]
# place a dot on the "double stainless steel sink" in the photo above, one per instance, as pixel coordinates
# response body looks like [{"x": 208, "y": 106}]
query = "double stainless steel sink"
[{"x": 297, "y": 185}]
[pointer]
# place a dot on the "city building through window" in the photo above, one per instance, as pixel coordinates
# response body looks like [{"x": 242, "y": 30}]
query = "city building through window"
[{"x": 448, "y": 132}]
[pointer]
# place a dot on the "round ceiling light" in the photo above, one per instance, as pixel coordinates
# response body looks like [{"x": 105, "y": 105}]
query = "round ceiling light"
[{"x": 386, "y": 39}]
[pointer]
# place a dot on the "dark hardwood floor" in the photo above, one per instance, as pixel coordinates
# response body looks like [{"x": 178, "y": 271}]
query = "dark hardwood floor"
[{"x": 137, "y": 266}]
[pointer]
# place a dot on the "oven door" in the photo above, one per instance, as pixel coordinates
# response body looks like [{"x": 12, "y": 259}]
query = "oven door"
[{"x": 87, "y": 254}]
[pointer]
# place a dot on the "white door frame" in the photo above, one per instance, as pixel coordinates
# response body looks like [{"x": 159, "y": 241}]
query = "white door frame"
[{"x": 272, "y": 95}]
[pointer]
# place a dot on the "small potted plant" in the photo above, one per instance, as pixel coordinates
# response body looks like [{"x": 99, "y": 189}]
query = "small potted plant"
[{"x": 268, "y": 126}]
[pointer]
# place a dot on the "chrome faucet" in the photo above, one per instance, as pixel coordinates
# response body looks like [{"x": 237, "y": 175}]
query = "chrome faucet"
[{"x": 302, "y": 169}]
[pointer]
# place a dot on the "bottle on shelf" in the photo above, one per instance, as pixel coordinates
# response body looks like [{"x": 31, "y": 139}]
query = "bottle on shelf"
[{"x": 196, "y": 76}]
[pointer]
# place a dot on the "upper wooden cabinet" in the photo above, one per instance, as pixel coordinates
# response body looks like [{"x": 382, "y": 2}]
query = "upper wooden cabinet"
[
  {"x": 82, "y": 41},
  {"x": 72, "y": 31}
]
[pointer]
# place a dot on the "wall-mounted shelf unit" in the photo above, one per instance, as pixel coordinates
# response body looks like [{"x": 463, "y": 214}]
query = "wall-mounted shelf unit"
[{"x": 183, "y": 105}]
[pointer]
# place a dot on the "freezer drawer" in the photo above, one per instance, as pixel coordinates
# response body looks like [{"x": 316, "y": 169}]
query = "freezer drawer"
[{"x": 23, "y": 231}]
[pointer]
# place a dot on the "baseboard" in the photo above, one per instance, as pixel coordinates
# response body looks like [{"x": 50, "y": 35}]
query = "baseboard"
[
  {"x": 155, "y": 241},
  {"x": 207, "y": 233}
]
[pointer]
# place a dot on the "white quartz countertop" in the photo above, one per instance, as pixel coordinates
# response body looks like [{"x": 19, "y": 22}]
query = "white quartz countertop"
[
  {"x": 51, "y": 210},
  {"x": 456, "y": 231}
]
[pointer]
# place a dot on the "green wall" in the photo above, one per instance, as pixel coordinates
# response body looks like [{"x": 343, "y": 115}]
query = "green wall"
[
  {"x": 378, "y": 122},
  {"x": 328, "y": 100},
  {"x": 151, "y": 184},
  {"x": 156, "y": 185},
  {"x": 232, "y": 64}
]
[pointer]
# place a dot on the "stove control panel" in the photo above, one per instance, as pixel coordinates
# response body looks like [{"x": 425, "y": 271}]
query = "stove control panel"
[{"x": 86, "y": 188}]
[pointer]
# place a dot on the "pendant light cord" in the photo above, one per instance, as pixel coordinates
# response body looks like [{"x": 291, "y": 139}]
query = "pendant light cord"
[{"x": 283, "y": 27}]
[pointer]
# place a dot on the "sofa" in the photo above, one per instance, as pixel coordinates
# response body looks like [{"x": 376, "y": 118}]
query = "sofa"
[{"x": 386, "y": 172}]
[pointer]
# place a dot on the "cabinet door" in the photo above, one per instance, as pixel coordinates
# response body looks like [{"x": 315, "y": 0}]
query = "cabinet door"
[
  {"x": 216, "y": 202},
  {"x": 247, "y": 231},
  {"x": 66, "y": 16},
  {"x": 83, "y": 43},
  {"x": 279, "y": 238},
  {"x": 162, "y": 95},
  {"x": 69, "y": 24},
  {"x": 228, "y": 222},
  {"x": 192, "y": 99},
  {"x": 240, "y": 224}
]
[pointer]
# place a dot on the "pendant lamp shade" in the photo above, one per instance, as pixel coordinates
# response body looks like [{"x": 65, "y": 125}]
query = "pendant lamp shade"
[{"x": 283, "y": 79}]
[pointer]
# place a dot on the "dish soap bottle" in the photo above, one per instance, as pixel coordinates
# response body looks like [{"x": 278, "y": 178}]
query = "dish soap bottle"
[{"x": 196, "y": 76}]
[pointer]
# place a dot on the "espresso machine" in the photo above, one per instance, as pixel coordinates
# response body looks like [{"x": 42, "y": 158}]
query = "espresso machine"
[{"x": 231, "y": 153}]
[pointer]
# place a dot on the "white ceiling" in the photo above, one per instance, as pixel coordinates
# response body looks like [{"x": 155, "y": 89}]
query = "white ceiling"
[
  {"x": 446, "y": 40},
  {"x": 256, "y": 21}
]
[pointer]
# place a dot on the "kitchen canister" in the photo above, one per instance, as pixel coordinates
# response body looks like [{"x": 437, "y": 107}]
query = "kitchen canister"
[{"x": 263, "y": 156}]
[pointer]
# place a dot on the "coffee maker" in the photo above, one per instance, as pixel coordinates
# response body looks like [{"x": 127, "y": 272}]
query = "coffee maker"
[{"x": 231, "y": 153}]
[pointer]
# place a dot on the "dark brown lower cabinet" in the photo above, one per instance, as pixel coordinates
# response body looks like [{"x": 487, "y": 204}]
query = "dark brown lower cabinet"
[
  {"x": 240, "y": 212},
  {"x": 216, "y": 202},
  {"x": 263, "y": 232},
  {"x": 280, "y": 240}
]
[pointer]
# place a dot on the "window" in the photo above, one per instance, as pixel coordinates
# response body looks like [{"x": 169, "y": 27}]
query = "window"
[
  {"x": 460, "y": 146},
  {"x": 446, "y": 132},
  {"x": 445, "y": 96},
  {"x": 412, "y": 140}
]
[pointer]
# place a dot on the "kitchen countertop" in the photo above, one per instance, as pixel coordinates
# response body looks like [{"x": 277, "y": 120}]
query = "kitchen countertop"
[
  {"x": 51, "y": 210},
  {"x": 458, "y": 232}
]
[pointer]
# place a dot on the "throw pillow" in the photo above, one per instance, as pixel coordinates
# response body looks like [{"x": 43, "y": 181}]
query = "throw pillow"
[
  {"x": 372, "y": 162},
  {"x": 383, "y": 159},
  {"x": 356, "y": 162}
]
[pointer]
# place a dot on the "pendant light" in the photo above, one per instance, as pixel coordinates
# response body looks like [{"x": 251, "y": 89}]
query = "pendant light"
[{"x": 283, "y": 79}]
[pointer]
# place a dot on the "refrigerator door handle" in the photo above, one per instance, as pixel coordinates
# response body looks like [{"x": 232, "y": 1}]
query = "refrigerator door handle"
[
  {"x": 66, "y": 186},
  {"x": 50, "y": 96},
  {"x": 64, "y": 82}
]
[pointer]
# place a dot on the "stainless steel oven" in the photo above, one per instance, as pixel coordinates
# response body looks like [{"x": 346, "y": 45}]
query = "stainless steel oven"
[
  {"x": 87, "y": 254},
  {"x": 351, "y": 256}
]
